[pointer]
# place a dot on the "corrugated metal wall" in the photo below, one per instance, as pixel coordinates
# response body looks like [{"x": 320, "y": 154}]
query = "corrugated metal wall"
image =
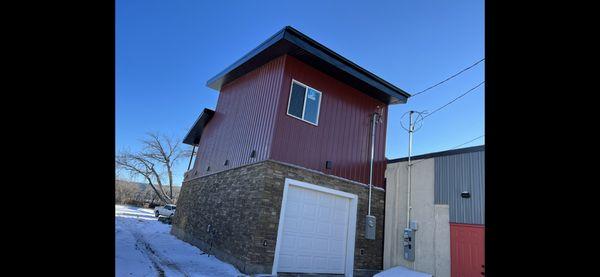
[
  {"x": 343, "y": 134},
  {"x": 244, "y": 121},
  {"x": 455, "y": 174},
  {"x": 251, "y": 114}
]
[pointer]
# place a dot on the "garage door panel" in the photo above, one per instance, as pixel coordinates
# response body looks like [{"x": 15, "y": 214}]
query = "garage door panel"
[
  {"x": 323, "y": 229},
  {"x": 304, "y": 262},
  {"x": 340, "y": 216},
  {"x": 324, "y": 214},
  {"x": 286, "y": 261},
  {"x": 304, "y": 244},
  {"x": 314, "y": 235},
  {"x": 294, "y": 209},
  {"x": 341, "y": 203},
  {"x": 310, "y": 196},
  {"x": 288, "y": 244},
  {"x": 295, "y": 194},
  {"x": 326, "y": 200},
  {"x": 320, "y": 245},
  {"x": 337, "y": 246},
  {"x": 338, "y": 230},
  {"x": 321, "y": 263},
  {"x": 309, "y": 211},
  {"x": 308, "y": 227},
  {"x": 291, "y": 225},
  {"x": 336, "y": 264}
]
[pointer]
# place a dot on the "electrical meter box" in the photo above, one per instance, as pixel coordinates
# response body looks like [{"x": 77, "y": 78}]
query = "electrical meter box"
[
  {"x": 409, "y": 244},
  {"x": 370, "y": 227}
]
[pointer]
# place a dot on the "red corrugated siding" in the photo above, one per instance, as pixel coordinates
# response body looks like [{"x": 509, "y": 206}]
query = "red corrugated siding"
[
  {"x": 467, "y": 250},
  {"x": 343, "y": 133},
  {"x": 243, "y": 121},
  {"x": 251, "y": 114}
]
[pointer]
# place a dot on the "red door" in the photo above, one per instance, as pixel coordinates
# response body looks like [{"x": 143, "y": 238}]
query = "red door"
[{"x": 466, "y": 250}]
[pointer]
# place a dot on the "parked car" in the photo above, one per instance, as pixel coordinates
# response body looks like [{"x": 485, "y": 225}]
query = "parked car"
[{"x": 166, "y": 210}]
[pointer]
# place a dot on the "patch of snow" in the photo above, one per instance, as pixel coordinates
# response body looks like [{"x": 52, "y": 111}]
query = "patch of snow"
[
  {"x": 400, "y": 271},
  {"x": 144, "y": 247}
]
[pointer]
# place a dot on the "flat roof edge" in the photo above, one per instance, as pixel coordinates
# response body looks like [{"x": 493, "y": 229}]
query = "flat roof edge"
[{"x": 471, "y": 149}]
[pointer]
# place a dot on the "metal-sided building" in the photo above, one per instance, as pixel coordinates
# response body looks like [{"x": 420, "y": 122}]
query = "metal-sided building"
[
  {"x": 447, "y": 200},
  {"x": 289, "y": 175}
]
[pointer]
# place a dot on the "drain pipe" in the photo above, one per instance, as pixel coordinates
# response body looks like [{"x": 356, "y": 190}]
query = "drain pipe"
[{"x": 370, "y": 220}]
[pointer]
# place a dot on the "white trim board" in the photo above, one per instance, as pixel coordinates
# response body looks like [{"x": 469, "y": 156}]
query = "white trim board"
[{"x": 351, "y": 232}]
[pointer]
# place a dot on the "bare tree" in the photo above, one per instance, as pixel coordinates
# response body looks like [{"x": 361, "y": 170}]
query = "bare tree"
[
  {"x": 165, "y": 151},
  {"x": 159, "y": 154},
  {"x": 138, "y": 165}
]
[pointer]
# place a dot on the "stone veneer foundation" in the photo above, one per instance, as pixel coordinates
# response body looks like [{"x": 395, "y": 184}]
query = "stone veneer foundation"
[{"x": 234, "y": 215}]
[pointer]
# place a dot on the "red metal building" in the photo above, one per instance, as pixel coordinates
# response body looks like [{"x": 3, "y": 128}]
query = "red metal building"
[
  {"x": 280, "y": 180},
  {"x": 251, "y": 122}
]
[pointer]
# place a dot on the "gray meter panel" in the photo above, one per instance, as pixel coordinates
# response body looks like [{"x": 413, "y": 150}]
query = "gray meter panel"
[
  {"x": 409, "y": 244},
  {"x": 370, "y": 227}
]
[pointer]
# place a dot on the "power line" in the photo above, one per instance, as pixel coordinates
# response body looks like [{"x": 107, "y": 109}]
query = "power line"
[
  {"x": 447, "y": 79},
  {"x": 452, "y": 101},
  {"x": 467, "y": 142}
]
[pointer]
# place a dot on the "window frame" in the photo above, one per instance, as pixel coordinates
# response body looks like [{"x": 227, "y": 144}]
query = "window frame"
[{"x": 287, "y": 111}]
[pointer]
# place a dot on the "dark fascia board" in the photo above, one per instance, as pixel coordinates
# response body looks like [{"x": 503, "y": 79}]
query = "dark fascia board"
[
  {"x": 225, "y": 76},
  {"x": 194, "y": 134},
  {"x": 292, "y": 42},
  {"x": 440, "y": 154}
]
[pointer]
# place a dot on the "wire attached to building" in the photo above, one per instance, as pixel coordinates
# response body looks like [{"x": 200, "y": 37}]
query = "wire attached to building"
[{"x": 447, "y": 79}]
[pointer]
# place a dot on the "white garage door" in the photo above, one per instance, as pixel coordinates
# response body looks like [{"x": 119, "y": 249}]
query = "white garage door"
[{"x": 315, "y": 234}]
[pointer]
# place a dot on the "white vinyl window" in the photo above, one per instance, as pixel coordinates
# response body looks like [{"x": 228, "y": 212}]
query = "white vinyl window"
[{"x": 304, "y": 103}]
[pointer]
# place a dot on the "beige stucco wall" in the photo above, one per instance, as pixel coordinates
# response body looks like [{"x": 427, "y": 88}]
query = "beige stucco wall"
[{"x": 432, "y": 244}]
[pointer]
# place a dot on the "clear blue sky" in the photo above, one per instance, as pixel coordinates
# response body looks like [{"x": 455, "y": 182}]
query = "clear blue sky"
[{"x": 167, "y": 50}]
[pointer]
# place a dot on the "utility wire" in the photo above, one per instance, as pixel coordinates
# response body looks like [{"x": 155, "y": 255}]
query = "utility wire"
[
  {"x": 447, "y": 79},
  {"x": 452, "y": 101},
  {"x": 468, "y": 142}
]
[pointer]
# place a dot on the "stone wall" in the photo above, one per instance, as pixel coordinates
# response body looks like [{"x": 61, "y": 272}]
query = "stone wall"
[{"x": 242, "y": 207}]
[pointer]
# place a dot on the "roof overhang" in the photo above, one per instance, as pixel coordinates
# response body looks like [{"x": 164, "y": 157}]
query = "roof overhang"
[
  {"x": 291, "y": 42},
  {"x": 194, "y": 134}
]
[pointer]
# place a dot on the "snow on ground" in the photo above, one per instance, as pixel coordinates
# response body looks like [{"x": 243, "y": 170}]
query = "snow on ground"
[
  {"x": 144, "y": 247},
  {"x": 401, "y": 271}
]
